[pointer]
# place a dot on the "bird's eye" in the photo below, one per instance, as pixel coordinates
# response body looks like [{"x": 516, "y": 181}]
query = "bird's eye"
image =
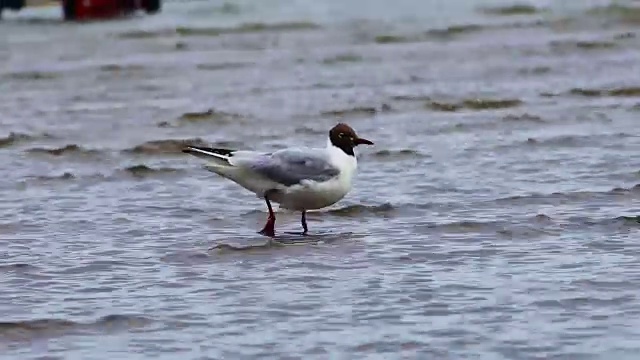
[{"x": 341, "y": 135}]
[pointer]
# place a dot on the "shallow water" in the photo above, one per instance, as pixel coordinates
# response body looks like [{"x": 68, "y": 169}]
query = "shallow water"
[{"x": 496, "y": 217}]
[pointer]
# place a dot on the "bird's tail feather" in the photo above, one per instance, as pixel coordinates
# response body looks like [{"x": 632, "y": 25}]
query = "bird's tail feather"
[{"x": 217, "y": 156}]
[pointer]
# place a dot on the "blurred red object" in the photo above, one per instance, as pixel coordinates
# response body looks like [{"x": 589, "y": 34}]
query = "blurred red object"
[
  {"x": 106, "y": 9},
  {"x": 87, "y": 9}
]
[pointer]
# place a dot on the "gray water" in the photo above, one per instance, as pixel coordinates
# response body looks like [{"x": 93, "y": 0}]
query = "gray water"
[{"x": 496, "y": 217}]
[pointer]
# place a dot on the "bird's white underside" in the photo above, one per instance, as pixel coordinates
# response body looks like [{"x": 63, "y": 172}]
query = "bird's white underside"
[{"x": 308, "y": 195}]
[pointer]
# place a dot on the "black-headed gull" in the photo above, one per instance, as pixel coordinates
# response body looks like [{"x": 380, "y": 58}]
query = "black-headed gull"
[{"x": 299, "y": 179}]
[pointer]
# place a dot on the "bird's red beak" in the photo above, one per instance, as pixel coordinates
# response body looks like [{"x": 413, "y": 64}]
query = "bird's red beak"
[{"x": 361, "y": 141}]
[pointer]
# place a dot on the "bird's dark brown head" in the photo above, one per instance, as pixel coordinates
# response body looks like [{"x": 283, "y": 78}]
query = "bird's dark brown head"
[{"x": 344, "y": 137}]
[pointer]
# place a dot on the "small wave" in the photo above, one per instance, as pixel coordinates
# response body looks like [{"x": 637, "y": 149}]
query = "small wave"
[
  {"x": 411, "y": 98},
  {"x": 548, "y": 94},
  {"x": 452, "y": 32},
  {"x": 304, "y": 129},
  {"x": 71, "y": 149},
  {"x": 249, "y": 28},
  {"x": 589, "y": 194},
  {"x": 536, "y": 70},
  {"x": 393, "y": 39},
  {"x": 455, "y": 30},
  {"x": 573, "y": 140},
  {"x": 633, "y": 189},
  {"x": 256, "y": 212},
  {"x": 144, "y": 171},
  {"x": 603, "y": 17},
  {"x": 171, "y": 146},
  {"x": 145, "y": 34},
  {"x": 227, "y": 8},
  {"x": 64, "y": 179},
  {"x": 270, "y": 244},
  {"x": 474, "y": 104},
  {"x": 620, "y": 13},
  {"x": 359, "y": 210},
  {"x": 164, "y": 124},
  {"x": 618, "y": 222},
  {"x": 447, "y": 33},
  {"x": 64, "y": 176},
  {"x": 629, "y": 220},
  {"x": 542, "y": 218},
  {"x": 358, "y": 111},
  {"x": 484, "y": 104},
  {"x": 181, "y": 45},
  {"x": 523, "y": 118},
  {"x": 16, "y": 266},
  {"x": 226, "y": 247},
  {"x": 581, "y": 45},
  {"x": 590, "y": 45},
  {"x": 184, "y": 31},
  {"x": 397, "y": 154},
  {"x": 120, "y": 68},
  {"x": 623, "y": 91},
  {"x": 139, "y": 171},
  {"x": 342, "y": 58},
  {"x": 27, "y": 329},
  {"x": 38, "y": 20},
  {"x": 14, "y": 138},
  {"x": 211, "y": 115},
  {"x": 469, "y": 126},
  {"x": 35, "y": 325},
  {"x": 32, "y": 75},
  {"x": 222, "y": 66},
  {"x": 283, "y": 239},
  {"x": 440, "y": 34},
  {"x": 480, "y": 125},
  {"x": 529, "y": 226},
  {"x": 516, "y": 9},
  {"x": 467, "y": 226},
  {"x": 558, "y": 197},
  {"x": 624, "y": 35},
  {"x": 443, "y": 106}
]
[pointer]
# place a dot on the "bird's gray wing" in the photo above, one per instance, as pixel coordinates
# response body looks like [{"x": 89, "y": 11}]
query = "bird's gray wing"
[{"x": 291, "y": 166}]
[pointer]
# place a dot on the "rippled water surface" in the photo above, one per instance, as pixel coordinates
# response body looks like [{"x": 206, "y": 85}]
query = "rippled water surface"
[{"x": 497, "y": 216}]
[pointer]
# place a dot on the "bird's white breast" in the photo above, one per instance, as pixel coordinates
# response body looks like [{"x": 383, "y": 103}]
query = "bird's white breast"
[{"x": 311, "y": 195}]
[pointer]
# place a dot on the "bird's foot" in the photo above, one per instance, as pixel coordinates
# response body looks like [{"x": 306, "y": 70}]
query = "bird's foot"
[
  {"x": 270, "y": 232},
  {"x": 269, "y": 228}
]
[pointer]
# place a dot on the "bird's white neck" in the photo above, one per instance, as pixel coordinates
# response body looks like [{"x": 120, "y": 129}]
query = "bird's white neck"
[{"x": 342, "y": 159}]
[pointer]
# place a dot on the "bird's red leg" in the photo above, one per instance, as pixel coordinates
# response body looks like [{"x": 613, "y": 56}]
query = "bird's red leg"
[{"x": 269, "y": 227}]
